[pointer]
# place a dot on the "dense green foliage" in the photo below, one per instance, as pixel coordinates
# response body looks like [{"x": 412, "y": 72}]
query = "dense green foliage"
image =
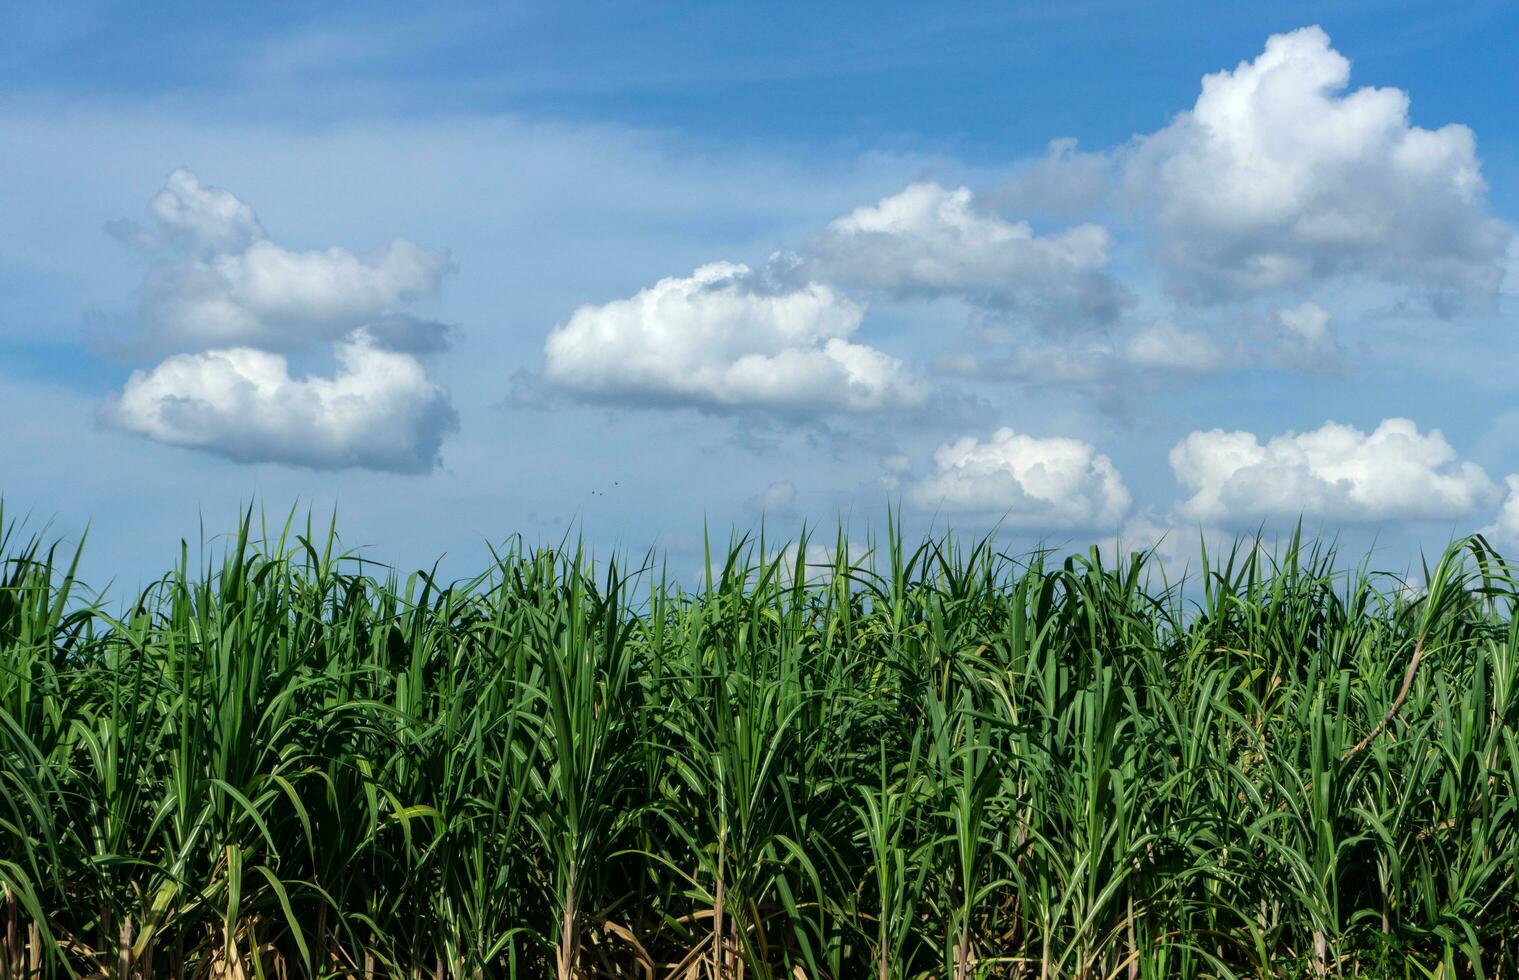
[{"x": 939, "y": 761}]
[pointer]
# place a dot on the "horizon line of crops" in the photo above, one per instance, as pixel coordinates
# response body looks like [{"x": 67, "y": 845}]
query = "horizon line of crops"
[{"x": 929, "y": 761}]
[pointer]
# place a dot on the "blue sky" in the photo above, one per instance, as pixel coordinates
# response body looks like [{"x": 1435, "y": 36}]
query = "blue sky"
[{"x": 466, "y": 271}]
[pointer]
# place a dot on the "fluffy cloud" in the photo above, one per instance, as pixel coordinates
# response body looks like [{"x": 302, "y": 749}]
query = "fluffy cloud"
[
  {"x": 378, "y": 411},
  {"x": 220, "y": 282},
  {"x": 929, "y": 242},
  {"x": 1334, "y": 472},
  {"x": 1063, "y": 181},
  {"x": 208, "y": 219},
  {"x": 1297, "y": 338},
  {"x": 234, "y": 300},
  {"x": 1504, "y": 531},
  {"x": 724, "y": 338},
  {"x": 1277, "y": 178},
  {"x": 777, "y": 499},
  {"x": 1165, "y": 346},
  {"x": 1303, "y": 340},
  {"x": 1026, "y": 481}
]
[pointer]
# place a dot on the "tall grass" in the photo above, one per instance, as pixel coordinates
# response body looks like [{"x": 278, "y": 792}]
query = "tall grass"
[{"x": 938, "y": 761}]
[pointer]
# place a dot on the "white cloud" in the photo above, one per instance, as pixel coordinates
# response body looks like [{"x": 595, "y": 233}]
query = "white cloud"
[
  {"x": 1277, "y": 178},
  {"x": 1063, "y": 181},
  {"x": 379, "y": 410},
  {"x": 724, "y": 338},
  {"x": 1335, "y": 472},
  {"x": 1503, "y": 532},
  {"x": 223, "y": 291},
  {"x": 208, "y": 218},
  {"x": 930, "y": 242},
  {"x": 1165, "y": 346},
  {"x": 1297, "y": 338},
  {"x": 270, "y": 297},
  {"x": 893, "y": 468},
  {"x": 1025, "y": 481},
  {"x": 1175, "y": 549},
  {"x": 1304, "y": 341},
  {"x": 234, "y": 287},
  {"x": 1034, "y": 362},
  {"x": 777, "y": 499}
]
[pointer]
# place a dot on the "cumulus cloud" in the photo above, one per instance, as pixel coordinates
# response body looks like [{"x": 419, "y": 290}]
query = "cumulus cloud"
[
  {"x": 379, "y": 411},
  {"x": 220, "y": 282},
  {"x": 1503, "y": 532},
  {"x": 893, "y": 468},
  {"x": 1277, "y": 177},
  {"x": 1297, "y": 338},
  {"x": 1335, "y": 472},
  {"x": 777, "y": 499},
  {"x": 724, "y": 337},
  {"x": 929, "y": 241},
  {"x": 231, "y": 302},
  {"x": 208, "y": 219},
  {"x": 1063, "y": 181},
  {"x": 1304, "y": 341},
  {"x": 1024, "y": 480},
  {"x": 1165, "y": 346},
  {"x": 267, "y": 296}
]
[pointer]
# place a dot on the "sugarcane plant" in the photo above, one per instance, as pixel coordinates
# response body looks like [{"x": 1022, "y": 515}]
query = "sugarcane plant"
[{"x": 870, "y": 759}]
